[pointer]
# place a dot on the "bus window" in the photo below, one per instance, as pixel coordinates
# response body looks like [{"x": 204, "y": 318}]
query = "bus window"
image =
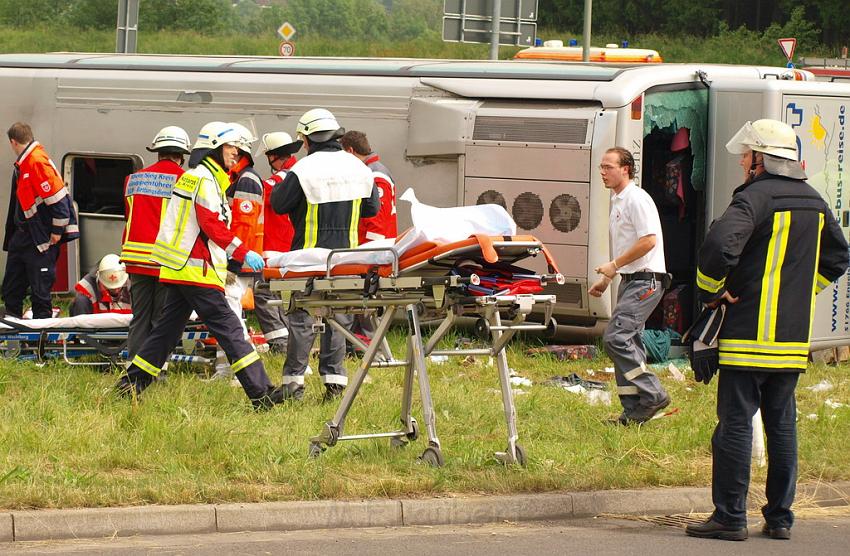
[{"x": 97, "y": 182}]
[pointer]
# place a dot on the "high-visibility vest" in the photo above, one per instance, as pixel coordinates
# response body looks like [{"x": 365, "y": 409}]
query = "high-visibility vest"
[
  {"x": 146, "y": 195},
  {"x": 175, "y": 250}
]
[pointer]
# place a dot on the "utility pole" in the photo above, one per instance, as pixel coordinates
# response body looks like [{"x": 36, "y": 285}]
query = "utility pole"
[
  {"x": 585, "y": 52},
  {"x": 494, "y": 38},
  {"x": 127, "y": 27}
]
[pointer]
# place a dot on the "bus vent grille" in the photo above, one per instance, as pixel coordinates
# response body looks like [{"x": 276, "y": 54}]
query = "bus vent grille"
[{"x": 531, "y": 130}]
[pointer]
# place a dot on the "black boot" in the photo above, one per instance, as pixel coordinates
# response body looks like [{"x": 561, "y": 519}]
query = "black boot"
[
  {"x": 131, "y": 385},
  {"x": 276, "y": 395},
  {"x": 711, "y": 529},
  {"x": 332, "y": 392}
]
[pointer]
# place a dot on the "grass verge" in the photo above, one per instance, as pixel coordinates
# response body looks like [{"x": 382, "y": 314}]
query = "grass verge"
[{"x": 67, "y": 442}]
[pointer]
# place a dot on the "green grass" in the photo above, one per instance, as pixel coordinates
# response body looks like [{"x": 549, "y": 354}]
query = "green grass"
[{"x": 69, "y": 443}]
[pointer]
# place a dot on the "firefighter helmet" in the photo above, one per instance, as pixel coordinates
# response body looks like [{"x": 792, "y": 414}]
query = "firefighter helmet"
[
  {"x": 765, "y": 136},
  {"x": 280, "y": 143},
  {"x": 111, "y": 272},
  {"x": 319, "y": 125},
  {"x": 215, "y": 134},
  {"x": 246, "y": 138},
  {"x": 170, "y": 139}
]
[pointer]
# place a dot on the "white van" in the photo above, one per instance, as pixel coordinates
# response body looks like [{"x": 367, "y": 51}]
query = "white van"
[{"x": 525, "y": 134}]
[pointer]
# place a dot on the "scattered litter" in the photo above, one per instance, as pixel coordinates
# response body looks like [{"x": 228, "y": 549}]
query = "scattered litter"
[
  {"x": 609, "y": 370},
  {"x": 667, "y": 413},
  {"x": 308, "y": 371},
  {"x": 598, "y": 397},
  {"x": 567, "y": 382},
  {"x": 677, "y": 374},
  {"x": 518, "y": 380},
  {"x": 515, "y": 391},
  {"x": 822, "y": 386},
  {"x": 812, "y": 416},
  {"x": 834, "y": 405},
  {"x": 590, "y": 372},
  {"x": 439, "y": 359},
  {"x": 566, "y": 352}
]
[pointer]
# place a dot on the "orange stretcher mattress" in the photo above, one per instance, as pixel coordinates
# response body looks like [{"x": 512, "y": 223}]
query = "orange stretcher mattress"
[{"x": 420, "y": 258}]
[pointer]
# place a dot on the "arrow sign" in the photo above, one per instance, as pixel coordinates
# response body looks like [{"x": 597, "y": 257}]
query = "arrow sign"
[{"x": 788, "y": 46}]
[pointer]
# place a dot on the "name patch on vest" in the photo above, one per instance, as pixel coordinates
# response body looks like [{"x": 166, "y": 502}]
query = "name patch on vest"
[{"x": 151, "y": 183}]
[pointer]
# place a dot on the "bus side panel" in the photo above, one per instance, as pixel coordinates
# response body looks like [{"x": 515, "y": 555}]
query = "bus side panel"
[{"x": 822, "y": 130}]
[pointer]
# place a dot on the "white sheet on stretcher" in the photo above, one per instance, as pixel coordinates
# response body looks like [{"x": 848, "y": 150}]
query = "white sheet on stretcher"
[
  {"x": 430, "y": 224},
  {"x": 88, "y": 322}
]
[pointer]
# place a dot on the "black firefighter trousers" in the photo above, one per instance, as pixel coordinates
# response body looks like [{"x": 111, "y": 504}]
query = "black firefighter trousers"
[{"x": 211, "y": 306}]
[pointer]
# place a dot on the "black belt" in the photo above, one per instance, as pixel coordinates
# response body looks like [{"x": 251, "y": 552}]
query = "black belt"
[{"x": 643, "y": 276}]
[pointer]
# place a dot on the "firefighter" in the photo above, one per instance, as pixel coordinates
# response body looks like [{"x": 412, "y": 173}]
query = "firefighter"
[
  {"x": 325, "y": 194},
  {"x": 41, "y": 216},
  {"x": 773, "y": 249},
  {"x": 245, "y": 196},
  {"x": 105, "y": 289},
  {"x": 145, "y": 194},
  {"x": 279, "y": 149},
  {"x": 385, "y": 223},
  {"x": 192, "y": 247}
]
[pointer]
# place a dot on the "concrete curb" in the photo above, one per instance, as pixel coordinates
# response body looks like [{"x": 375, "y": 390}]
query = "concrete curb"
[{"x": 290, "y": 516}]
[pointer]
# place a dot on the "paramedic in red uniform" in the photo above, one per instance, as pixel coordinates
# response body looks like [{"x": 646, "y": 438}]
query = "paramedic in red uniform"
[
  {"x": 145, "y": 194},
  {"x": 384, "y": 224},
  {"x": 106, "y": 289},
  {"x": 279, "y": 149},
  {"x": 41, "y": 216}
]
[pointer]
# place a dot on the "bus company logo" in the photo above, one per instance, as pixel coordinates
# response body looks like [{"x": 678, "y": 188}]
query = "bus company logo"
[{"x": 817, "y": 131}]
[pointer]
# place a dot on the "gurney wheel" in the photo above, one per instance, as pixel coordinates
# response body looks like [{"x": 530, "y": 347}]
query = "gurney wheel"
[
  {"x": 432, "y": 456},
  {"x": 520, "y": 455},
  {"x": 482, "y": 329},
  {"x": 315, "y": 450},
  {"x": 10, "y": 348},
  {"x": 415, "y": 426}
]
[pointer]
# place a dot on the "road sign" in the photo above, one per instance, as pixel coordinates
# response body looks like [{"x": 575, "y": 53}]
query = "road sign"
[
  {"x": 286, "y": 31},
  {"x": 286, "y": 48},
  {"x": 511, "y": 9},
  {"x": 511, "y": 31},
  {"x": 788, "y": 46}
]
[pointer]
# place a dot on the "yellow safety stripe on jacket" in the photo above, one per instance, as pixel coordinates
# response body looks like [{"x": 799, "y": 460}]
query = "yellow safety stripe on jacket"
[
  {"x": 751, "y": 346},
  {"x": 770, "y": 283},
  {"x": 709, "y": 284},
  {"x": 252, "y": 357},
  {"x": 817, "y": 280},
  {"x": 821, "y": 283},
  {"x": 179, "y": 228},
  {"x": 136, "y": 251},
  {"x": 311, "y": 226},
  {"x": 196, "y": 271},
  {"x": 353, "y": 236},
  {"x": 145, "y": 366},
  {"x": 768, "y": 361},
  {"x": 220, "y": 176}
]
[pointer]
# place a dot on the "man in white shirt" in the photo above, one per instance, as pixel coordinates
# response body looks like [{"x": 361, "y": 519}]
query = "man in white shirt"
[{"x": 638, "y": 248}]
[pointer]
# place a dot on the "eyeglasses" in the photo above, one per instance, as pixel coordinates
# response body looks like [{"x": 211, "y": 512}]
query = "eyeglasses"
[{"x": 607, "y": 167}]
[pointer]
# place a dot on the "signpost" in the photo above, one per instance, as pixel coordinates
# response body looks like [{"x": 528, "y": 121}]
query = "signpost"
[
  {"x": 788, "y": 46},
  {"x": 127, "y": 27},
  {"x": 474, "y": 21},
  {"x": 286, "y": 31}
]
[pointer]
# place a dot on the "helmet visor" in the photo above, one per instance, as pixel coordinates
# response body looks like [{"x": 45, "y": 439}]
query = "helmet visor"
[{"x": 744, "y": 140}]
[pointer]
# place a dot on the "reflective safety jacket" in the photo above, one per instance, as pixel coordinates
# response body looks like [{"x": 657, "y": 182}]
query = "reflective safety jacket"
[
  {"x": 195, "y": 241},
  {"x": 43, "y": 205},
  {"x": 383, "y": 224},
  {"x": 277, "y": 229},
  {"x": 245, "y": 196},
  {"x": 101, "y": 300},
  {"x": 325, "y": 194},
  {"x": 774, "y": 248},
  {"x": 146, "y": 194}
]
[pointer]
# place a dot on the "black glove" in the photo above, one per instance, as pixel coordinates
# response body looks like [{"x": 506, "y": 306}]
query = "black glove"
[{"x": 705, "y": 360}]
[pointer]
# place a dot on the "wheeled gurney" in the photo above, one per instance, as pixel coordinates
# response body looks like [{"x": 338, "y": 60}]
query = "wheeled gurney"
[
  {"x": 103, "y": 336},
  {"x": 427, "y": 280}
]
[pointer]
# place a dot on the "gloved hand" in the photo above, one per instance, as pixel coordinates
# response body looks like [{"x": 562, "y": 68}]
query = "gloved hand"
[
  {"x": 254, "y": 261},
  {"x": 705, "y": 360}
]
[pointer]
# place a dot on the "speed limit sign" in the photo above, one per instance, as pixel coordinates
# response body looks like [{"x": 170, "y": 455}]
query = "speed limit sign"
[{"x": 286, "y": 48}]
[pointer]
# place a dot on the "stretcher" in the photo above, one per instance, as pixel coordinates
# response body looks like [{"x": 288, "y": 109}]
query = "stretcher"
[
  {"x": 102, "y": 336},
  {"x": 476, "y": 277}
]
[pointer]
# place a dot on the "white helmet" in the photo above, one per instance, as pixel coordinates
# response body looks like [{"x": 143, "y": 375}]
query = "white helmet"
[
  {"x": 246, "y": 138},
  {"x": 279, "y": 142},
  {"x": 170, "y": 139},
  {"x": 215, "y": 134},
  {"x": 319, "y": 125},
  {"x": 766, "y": 136},
  {"x": 111, "y": 272}
]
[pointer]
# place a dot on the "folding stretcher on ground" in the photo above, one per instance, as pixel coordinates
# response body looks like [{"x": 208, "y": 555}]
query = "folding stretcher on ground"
[
  {"x": 474, "y": 277},
  {"x": 102, "y": 336}
]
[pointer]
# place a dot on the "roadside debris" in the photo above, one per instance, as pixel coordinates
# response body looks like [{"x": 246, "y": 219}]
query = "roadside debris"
[
  {"x": 594, "y": 391},
  {"x": 822, "y": 386},
  {"x": 566, "y": 352}
]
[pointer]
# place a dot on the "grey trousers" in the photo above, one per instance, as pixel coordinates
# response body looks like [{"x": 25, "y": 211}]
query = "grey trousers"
[
  {"x": 636, "y": 384},
  {"x": 147, "y": 296},
  {"x": 331, "y": 350},
  {"x": 273, "y": 321}
]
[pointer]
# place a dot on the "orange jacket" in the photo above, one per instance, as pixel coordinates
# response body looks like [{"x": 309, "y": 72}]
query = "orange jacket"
[{"x": 245, "y": 195}]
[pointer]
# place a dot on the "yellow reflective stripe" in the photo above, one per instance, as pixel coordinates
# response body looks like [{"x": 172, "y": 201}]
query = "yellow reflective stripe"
[
  {"x": 180, "y": 228},
  {"x": 817, "y": 281},
  {"x": 138, "y": 245},
  {"x": 355, "y": 221},
  {"x": 627, "y": 390},
  {"x": 634, "y": 373},
  {"x": 770, "y": 361},
  {"x": 311, "y": 226},
  {"x": 245, "y": 361},
  {"x": 129, "y": 224},
  {"x": 708, "y": 283},
  {"x": 821, "y": 283},
  {"x": 769, "y": 301},
  {"x": 145, "y": 366}
]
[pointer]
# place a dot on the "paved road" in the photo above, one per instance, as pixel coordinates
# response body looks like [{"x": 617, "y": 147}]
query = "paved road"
[{"x": 822, "y": 534}]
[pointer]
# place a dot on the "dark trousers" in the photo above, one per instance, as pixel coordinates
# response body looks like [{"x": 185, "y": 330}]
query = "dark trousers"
[
  {"x": 147, "y": 296},
  {"x": 29, "y": 268},
  {"x": 739, "y": 395},
  {"x": 331, "y": 350},
  {"x": 212, "y": 307},
  {"x": 273, "y": 322}
]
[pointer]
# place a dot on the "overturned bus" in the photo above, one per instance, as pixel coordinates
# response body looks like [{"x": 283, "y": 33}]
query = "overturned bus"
[{"x": 527, "y": 135}]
